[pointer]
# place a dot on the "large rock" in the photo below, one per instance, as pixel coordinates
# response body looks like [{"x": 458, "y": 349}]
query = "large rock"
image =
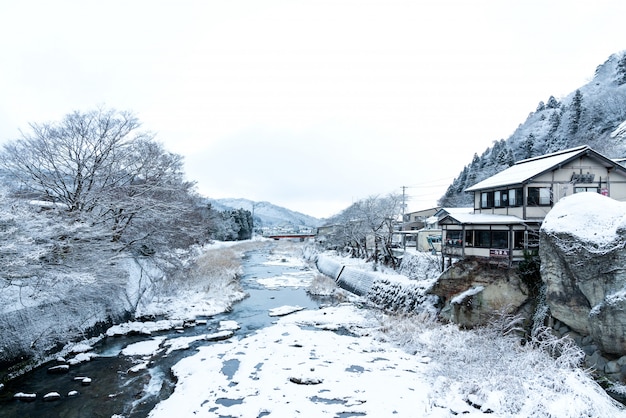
[
  {"x": 583, "y": 264},
  {"x": 473, "y": 291}
]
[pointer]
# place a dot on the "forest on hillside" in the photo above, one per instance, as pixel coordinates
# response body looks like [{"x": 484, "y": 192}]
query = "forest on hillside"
[{"x": 594, "y": 115}]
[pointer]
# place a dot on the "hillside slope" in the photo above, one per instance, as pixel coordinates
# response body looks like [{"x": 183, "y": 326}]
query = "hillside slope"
[
  {"x": 594, "y": 114},
  {"x": 267, "y": 214}
]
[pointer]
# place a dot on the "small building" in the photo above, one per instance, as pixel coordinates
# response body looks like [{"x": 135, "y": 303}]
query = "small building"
[
  {"x": 510, "y": 206},
  {"x": 414, "y": 221},
  {"x": 421, "y": 229}
]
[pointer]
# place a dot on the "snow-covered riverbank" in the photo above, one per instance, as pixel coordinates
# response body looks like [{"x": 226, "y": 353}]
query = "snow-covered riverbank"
[
  {"x": 346, "y": 360},
  {"x": 379, "y": 365}
]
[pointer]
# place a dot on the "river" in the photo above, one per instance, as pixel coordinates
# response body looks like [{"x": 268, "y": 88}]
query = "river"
[{"x": 115, "y": 386}]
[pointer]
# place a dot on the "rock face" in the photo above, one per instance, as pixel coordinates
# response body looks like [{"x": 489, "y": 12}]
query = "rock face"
[
  {"x": 472, "y": 292},
  {"x": 583, "y": 265}
]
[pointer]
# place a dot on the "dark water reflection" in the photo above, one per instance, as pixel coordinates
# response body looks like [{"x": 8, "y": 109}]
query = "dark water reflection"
[{"x": 115, "y": 389}]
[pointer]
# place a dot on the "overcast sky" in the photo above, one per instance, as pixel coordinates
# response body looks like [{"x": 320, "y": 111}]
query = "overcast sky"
[{"x": 310, "y": 105}]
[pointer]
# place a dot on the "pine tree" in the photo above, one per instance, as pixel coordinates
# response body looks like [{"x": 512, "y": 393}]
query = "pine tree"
[
  {"x": 577, "y": 111},
  {"x": 553, "y": 103},
  {"x": 621, "y": 70},
  {"x": 541, "y": 106},
  {"x": 527, "y": 146},
  {"x": 555, "y": 121}
]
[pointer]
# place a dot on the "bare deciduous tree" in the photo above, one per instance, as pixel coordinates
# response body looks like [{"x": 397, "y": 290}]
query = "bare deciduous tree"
[
  {"x": 74, "y": 161},
  {"x": 105, "y": 171},
  {"x": 366, "y": 227}
]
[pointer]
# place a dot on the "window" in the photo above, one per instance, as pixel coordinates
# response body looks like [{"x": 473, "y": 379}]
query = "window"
[
  {"x": 489, "y": 239},
  {"x": 469, "y": 238},
  {"x": 586, "y": 189},
  {"x": 518, "y": 240},
  {"x": 482, "y": 239},
  {"x": 486, "y": 200},
  {"x": 454, "y": 238},
  {"x": 539, "y": 196},
  {"x": 497, "y": 199},
  {"x": 499, "y": 239},
  {"x": 515, "y": 197}
]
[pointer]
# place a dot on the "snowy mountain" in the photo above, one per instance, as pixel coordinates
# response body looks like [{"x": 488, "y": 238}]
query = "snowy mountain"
[
  {"x": 594, "y": 115},
  {"x": 267, "y": 214}
]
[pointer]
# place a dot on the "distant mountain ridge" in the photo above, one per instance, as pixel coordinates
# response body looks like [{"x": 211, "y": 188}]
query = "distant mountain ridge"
[
  {"x": 594, "y": 115},
  {"x": 267, "y": 214}
]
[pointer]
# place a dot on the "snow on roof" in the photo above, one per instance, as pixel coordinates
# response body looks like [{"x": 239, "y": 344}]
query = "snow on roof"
[
  {"x": 589, "y": 216},
  {"x": 447, "y": 211},
  {"x": 468, "y": 209},
  {"x": 485, "y": 219},
  {"x": 526, "y": 169}
]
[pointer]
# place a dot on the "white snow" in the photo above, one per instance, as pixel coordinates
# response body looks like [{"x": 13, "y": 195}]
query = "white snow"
[
  {"x": 460, "y": 298},
  {"x": 229, "y": 326},
  {"x": 147, "y": 327},
  {"x": 525, "y": 169},
  {"x": 344, "y": 375},
  {"x": 81, "y": 358},
  {"x": 81, "y": 348},
  {"x": 383, "y": 366},
  {"x": 284, "y": 310},
  {"x": 619, "y": 131},
  {"x": 286, "y": 370},
  {"x": 589, "y": 216},
  {"x": 181, "y": 343},
  {"x": 144, "y": 348},
  {"x": 298, "y": 279}
]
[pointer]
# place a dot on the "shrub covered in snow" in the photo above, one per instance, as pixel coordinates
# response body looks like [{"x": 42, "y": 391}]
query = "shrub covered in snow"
[
  {"x": 488, "y": 369},
  {"x": 420, "y": 266}
]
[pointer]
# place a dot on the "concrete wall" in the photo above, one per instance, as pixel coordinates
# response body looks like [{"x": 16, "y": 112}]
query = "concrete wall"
[{"x": 353, "y": 280}]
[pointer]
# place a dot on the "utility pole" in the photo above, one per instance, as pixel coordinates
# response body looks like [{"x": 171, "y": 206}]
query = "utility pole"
[
  {"x": 403, "y": 201},
  {"x": 403, "y": 220}
]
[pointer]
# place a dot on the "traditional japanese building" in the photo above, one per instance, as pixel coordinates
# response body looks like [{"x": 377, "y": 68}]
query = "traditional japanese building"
[{"x": 510, "y": 206}]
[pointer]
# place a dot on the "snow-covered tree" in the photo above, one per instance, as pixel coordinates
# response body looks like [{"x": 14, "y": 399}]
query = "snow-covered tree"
[
  {"x": 366, "y": 227},
  {"x": 621, "y": 70},
  {"x": 541, "y": 106},
  {"x": 104, "y": 171},
  {"x": 553, "y": 103},
  {"x": 576, "y": 111}
]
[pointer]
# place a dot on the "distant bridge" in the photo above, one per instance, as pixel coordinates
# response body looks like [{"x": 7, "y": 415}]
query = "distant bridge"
[{"x": 288, "y": 236}]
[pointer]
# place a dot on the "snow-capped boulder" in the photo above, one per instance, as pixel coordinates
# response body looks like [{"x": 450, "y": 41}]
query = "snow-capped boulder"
[{"x": 583, "y": 264}]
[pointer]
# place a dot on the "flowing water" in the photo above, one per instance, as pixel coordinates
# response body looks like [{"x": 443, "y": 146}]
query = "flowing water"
[{"x": 119, "y": 388}]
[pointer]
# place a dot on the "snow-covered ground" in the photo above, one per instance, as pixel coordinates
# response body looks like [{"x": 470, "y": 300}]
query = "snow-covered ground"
[
  {"x": 380, "y": 366},
  {"x": 300, "y": 367}
]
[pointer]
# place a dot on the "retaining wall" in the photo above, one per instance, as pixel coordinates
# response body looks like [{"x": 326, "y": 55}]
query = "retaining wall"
[{"x": 390, "y": 292}]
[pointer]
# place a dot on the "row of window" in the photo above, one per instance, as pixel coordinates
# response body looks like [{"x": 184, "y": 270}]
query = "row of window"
[
  {"x": 537, "y": 196},
  {"x": 485, "y": 239}
]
